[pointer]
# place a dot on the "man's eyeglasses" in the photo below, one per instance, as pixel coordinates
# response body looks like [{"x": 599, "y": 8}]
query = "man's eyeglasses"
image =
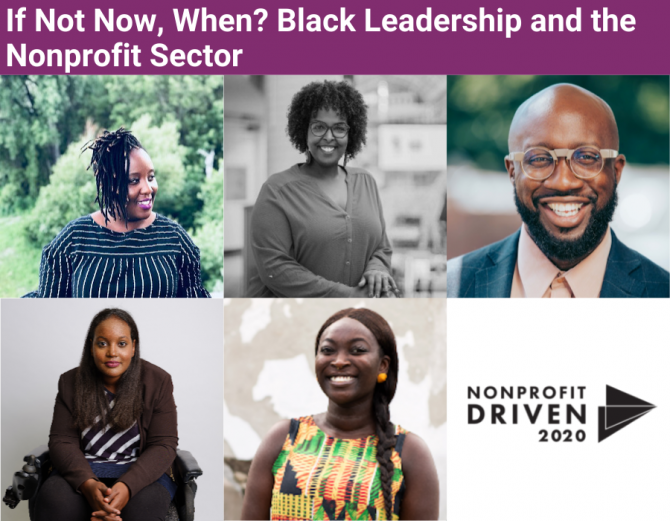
[
  {"x": 539, "y": 163},
  {"x": 319, "y": 129}
]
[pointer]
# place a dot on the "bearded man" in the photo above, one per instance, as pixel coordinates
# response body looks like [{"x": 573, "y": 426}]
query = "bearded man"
[{"x": 565, "y": 166}]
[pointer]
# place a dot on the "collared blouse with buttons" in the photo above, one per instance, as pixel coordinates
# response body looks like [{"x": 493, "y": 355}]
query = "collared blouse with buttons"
[{"x": 305, "y": 245}]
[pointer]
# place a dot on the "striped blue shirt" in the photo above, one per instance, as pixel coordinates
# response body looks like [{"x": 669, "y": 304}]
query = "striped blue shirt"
[{"x": 90, "y": 261}]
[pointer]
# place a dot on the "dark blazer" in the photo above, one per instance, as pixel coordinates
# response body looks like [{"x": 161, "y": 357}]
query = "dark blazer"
[
  {"x": 488, "y": 273},
  {"x": 158, "y": 432}
]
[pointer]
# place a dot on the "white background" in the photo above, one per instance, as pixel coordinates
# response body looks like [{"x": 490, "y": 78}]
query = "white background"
[
  {"x": 502, "y": 471},
  {"x": 42, "y": 338}
]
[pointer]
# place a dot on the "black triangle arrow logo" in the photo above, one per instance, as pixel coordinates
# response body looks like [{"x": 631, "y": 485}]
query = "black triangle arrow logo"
[{"x": 621, "y": 410}]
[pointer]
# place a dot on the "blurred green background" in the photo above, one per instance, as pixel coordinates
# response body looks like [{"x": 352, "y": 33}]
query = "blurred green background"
[
  {"x": 44, "y": 183},
  {"x": 480, "y": 110}
]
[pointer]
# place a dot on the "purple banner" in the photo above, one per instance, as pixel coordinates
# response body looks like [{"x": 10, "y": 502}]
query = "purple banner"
[{"x": 345, "y": 37}]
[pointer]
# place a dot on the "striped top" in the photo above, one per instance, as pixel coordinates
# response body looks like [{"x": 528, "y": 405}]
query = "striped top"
[
  {"x": 103, "y": 445},
  {"x": 91, "y": 261},
  {"x": 321, "y": 477},
  {"x": 110, "y": 454}
]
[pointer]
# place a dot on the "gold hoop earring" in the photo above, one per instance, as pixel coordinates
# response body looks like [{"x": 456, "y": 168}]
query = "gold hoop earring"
[{"x": 308, "y": 158}]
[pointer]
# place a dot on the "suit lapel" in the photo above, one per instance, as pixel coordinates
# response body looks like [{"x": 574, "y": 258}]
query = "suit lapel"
[
  {"x": 618, "y": 282},
  {"x": 495, "y": 280}
]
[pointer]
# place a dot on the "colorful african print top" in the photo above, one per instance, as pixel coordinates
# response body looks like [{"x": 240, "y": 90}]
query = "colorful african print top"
[{"x": 321, "y": 477}]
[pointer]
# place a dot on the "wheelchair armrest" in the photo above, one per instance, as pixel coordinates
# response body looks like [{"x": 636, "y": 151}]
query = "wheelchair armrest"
[
  {"x": 41, "y": 454},
  {"x": 27, "y": 481},
  {"x": 187, "y": 466}
]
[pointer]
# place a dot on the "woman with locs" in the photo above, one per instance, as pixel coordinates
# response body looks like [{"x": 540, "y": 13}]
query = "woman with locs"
[
  {"x": 317, "y": 229},
  {"x": 113, "y": 437},
  {"x": 350, "y": 462},
  {"x": 124, "y": 249}
]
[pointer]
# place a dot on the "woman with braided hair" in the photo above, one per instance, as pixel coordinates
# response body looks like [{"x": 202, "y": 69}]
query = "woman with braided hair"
[
  {"x": 124, "y": 249},
  {"x": 350, "y": 462}
]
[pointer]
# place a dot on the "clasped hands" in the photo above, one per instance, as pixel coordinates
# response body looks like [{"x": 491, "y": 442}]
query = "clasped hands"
[
  {"x": 379, "y": 284},
  {"x": 106, "y": 502}
]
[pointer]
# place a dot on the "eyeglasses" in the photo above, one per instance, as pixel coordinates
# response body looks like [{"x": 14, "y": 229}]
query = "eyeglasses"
[
  {"x": 320, "y": 129},
  {"x": 585, "y": 162}
]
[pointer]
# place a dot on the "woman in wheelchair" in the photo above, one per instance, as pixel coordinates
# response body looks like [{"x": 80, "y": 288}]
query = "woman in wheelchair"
[{"x": 114, "y": 432}]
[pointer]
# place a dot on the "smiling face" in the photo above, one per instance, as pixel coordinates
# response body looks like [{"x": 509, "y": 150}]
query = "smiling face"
[
  {"x": 348, "y": 360},
  {"x": 565, "y": 215},
  {"x": 327, "y": 150},
  {"x": 142, "y": 186},
  {"x": 113, "y": 350}
]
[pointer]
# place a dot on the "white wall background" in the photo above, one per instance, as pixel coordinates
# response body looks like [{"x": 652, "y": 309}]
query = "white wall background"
[{"x": 41, "y": 339}]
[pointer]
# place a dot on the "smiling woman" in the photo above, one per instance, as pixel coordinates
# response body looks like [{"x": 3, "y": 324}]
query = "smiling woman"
[
  {"x": 125, "y": 249},
  {"x": 350, "y": 462},
  {"x": 317, "y": 229}
]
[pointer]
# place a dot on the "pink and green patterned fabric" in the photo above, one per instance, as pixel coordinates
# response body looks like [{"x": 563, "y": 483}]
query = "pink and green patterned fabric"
[{"x": 321, "y": 477}]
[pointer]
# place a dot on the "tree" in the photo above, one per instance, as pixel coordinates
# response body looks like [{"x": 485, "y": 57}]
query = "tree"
[
  {"x": 209, "y": 234},
  {"x": 195, "y": 102},
  {"x": 41, "y": 116}
]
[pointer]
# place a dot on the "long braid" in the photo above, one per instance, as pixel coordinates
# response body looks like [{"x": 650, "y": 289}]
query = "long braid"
[
  {"x": 385, "y": 444},
  {"x": 111, "y": 164},
  {"x": 384, "y": 393}
]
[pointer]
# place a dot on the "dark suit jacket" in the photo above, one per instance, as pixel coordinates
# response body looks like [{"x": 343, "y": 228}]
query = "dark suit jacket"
[
  {"x": 158, "y": 432},
  {"x": 488, "y": 273}
]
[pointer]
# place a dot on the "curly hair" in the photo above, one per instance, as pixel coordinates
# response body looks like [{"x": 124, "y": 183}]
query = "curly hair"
[
  {"x": 384, "y": 392},
  {"x": 90, "y": 401},
  {"x": 339, "y": 96},
  {"x": 111, "y": 166}
]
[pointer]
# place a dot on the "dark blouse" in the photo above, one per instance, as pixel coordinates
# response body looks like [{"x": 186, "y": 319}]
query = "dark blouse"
[
  {"x": 305, "y": 245},
  {"x": 89, "y": 260}
]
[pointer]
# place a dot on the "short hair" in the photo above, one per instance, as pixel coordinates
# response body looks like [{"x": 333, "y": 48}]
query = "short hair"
[
  {"x": 90, "y": 401},
  {"x": 111, "y": 166},
  {"x": 339, "y": 96}
]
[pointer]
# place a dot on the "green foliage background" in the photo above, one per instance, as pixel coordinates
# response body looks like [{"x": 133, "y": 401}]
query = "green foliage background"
[
  {"x": 44, "y": 181},
  {"x": 480, "y": 110}
]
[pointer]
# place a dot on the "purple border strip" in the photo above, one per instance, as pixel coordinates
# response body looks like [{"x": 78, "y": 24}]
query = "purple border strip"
[{"x": 641, "y": 51}]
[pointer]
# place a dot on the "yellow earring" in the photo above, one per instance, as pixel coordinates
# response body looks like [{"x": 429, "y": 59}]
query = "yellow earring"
[{"x": 381, "y": 378}]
